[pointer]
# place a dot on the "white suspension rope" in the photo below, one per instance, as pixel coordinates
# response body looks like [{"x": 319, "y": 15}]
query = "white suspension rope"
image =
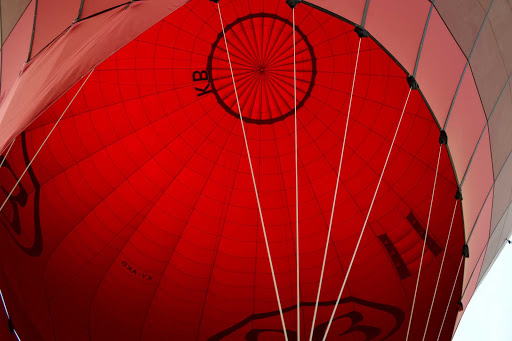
[
  {"x": 450, "y": 299},
  {"x": 16, "y": 334},
  {"x": 253, "y": 179},
  {"x": 7, "y": 153},
  {"x": 296, "y": 180},
  {"x": 3, "y": 302},
  {"x": 7, "y": 313},
  {"x": 335, "y": 195},
  {"x": 424, "y": 243},
  {"x": 44, "y": 141},
  {"x": 440, "y": 270},
  {"x": 366, "y": 220}
]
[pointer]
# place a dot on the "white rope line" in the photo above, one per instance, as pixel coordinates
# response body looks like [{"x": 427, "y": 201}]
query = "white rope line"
[
  {"x": 46, "y": 139},
  {"x": 253, "y": 179},
  {"x": 335, "y": 195},
  {"x": 8, "y": 317},
  {"x": 424, "y": 243},
  {"x": 16, "y": 334},
  {"x": 296, "y": 180},
  {"x": 3, "y": 302},
  {"x": 450, "y": 299},
  {"x": 440, "y": 270},
  {"x": 7, "y": 153},
  {"x": 367, "y": 216}
]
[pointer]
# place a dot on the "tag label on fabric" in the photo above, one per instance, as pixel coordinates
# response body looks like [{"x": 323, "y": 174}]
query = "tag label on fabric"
[{"x": 134, "y": 271}]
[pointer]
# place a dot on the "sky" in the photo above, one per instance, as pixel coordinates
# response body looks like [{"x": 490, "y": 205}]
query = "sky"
[{"x": 488, "y": 315}]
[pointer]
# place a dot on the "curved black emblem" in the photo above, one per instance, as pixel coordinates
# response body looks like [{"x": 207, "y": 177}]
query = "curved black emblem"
[
  {"x": 356, "y": 319},
  {"x": 21, "y": 201}
]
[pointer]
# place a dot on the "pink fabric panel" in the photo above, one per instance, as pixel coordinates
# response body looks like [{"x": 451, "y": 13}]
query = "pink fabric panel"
[
  {"x": 398, "y": 25},
  {"x": 465, "y": 124},
  {"x": 11, "y": 13},
  {"x": 348, "y": 9},
  {"x": 464, "y": 18},
  {"x": 53, "y": 17},
  {"x": 488, "y": 65},
  {"x": 471, "y": 286},
  {"x": 476, "y": 187},
  {"x": 58, "y": 67},
  {"x": 496, "y": 242},
  {"x": 15, "y": 50},
  {"x": 440, "y": 67},
  {"x": 478, "y": 241},
  {"x": 502, "y": 191},
  {"x": 94, "y": 6}
]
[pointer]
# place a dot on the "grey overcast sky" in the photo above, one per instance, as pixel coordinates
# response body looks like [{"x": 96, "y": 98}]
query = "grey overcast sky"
[{"x": 488, "y": 316}]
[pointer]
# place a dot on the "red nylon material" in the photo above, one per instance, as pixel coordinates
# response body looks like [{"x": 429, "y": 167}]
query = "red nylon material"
[
  {"x": 31, "y": 89},
  {"x": 147, "y": 212}
]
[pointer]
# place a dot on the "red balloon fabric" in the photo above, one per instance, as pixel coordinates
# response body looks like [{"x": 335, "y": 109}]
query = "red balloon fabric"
[{"x": 138, "y": 220}]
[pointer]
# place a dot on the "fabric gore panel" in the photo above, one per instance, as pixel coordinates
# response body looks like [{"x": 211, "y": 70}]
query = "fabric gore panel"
[
  {"x": 488, "y": 67},
  {"x": 11, "y": 14},
  {"x": 477, "y": 243},
  {"x": 497, "y": 242},
  {"x": 503, "y": 188},
  {"x": 53, "y": 17},
  {"x": 395, "y": 24},
  {"x": 465, "y": 124},
  {"x": 464, "y": 31},
  {"x": 499, "y": 129},
  {"x": 500, "y": 19},
  {"x": 15, "y": 50},
  {"x": 476, "y": 187},
  {"x": 440, "y": 67}
]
